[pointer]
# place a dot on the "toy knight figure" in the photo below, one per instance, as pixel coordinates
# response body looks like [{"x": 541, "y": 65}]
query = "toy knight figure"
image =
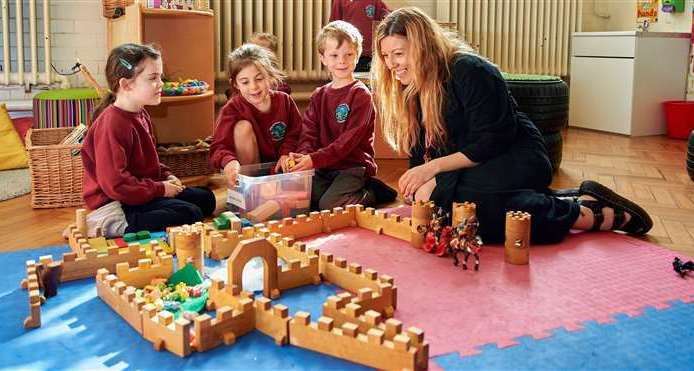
[
  {"x": 437, "y": 233},
  {"x": 466, "y": 240}
]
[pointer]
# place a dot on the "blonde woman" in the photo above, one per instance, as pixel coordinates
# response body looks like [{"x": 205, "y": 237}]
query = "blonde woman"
[{"x": 449, "y": 109}]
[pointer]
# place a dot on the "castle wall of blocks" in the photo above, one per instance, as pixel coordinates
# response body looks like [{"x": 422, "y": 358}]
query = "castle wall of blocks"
[{"x": 356, "y": 325}]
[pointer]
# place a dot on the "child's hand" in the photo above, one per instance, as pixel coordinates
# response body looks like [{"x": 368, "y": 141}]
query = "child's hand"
[
  {"x": 231, "y": 170},
  {"x": 285, "y": 163},
  {"x": 304, "y": 162},
  {"x": 171, "y": 189},
  {"x": 174, "y": 179}
]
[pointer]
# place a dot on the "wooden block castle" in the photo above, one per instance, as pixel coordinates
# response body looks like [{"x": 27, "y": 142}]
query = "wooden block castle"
[{"x": 357, "y": 325}]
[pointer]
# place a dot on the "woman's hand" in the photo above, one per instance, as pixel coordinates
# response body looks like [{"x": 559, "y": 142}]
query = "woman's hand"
[
  {"x": 231, "y": 170},
  {"x": 414, "y": 178}
]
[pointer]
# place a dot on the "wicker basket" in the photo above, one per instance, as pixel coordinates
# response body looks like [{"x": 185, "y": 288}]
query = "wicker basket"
[
  {"x": 187, "y": 163},
  {"x": 115, "y": 8},
  {"x": 56, "y": 174}
]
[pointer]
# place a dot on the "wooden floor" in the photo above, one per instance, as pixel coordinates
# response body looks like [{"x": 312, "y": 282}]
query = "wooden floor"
[{"x": 649, "y": 170}]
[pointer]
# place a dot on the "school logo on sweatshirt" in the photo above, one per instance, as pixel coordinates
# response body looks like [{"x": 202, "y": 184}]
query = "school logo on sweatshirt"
[
  {"x": 278, "y": 130},
  {"x": 341, "y": 113},
  {"x": 370, "y": 11}
]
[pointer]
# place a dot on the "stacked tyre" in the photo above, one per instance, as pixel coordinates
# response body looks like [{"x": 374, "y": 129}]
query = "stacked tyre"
[
  {"x": 545, "y": 99},
  {"x": 690, "y": 156}
]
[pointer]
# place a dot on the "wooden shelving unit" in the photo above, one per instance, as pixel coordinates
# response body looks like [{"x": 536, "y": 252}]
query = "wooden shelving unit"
[{"x": 186, "y": 39}]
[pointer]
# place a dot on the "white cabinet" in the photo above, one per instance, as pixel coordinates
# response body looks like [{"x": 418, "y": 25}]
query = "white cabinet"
[{"x": 619, "y": 79}]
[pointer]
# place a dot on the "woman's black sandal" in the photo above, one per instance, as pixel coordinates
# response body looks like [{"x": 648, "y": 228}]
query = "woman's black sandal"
[{"x": 640, "y": 222}]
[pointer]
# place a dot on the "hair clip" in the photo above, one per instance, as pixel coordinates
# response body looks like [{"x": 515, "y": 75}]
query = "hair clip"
[{"x": 125, "y": 64}]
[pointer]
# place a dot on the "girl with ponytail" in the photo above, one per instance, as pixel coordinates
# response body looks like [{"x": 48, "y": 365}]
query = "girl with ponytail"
[{"x": 124, "y": 182}]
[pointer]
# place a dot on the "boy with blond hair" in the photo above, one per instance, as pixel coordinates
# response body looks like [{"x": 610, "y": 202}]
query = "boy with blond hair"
[{"x": 338, "y": 128}]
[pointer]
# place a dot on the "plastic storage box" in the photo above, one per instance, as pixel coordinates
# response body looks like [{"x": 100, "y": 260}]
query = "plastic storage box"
[{"x": 261, "y": 195}]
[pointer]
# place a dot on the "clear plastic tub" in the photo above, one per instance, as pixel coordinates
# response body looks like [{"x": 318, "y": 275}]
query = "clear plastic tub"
[{"x": 261, "y": 195}]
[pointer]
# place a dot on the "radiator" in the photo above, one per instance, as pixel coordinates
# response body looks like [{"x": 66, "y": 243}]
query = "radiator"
[
  {"x": 34, "y": 74},
  {"x": 294, "y": 22},
  {"x": 520, "y": 36}
]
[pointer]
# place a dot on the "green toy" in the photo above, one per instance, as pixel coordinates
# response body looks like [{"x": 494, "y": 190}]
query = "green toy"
[
  {"x": 143, "y": 235},
  {"x": 130, "y": 237},
  {"x": 188, "y": 275},
  {"x": 221, "y": 223}
]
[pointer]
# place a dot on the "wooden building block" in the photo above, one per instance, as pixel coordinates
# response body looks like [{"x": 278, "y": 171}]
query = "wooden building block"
[
  {"x": 145, "y": 271},
  {"x": 383, "y": 223},
  {"x": 120, "y": 298},
  {"x": 370, "y": 349},
  {"x": 272, "y": 321},
  {"x": 338, "y": 218},
  {"x": 517, "y": 240},
  {"x": 175, "y": 337},
  {"x": 264, "y": 211},
  {"x": 247, "y": 250},
  {"x": 31, "y": 284},
  {"x": 189, "y": 249},
  {"x": 225, "y": 328},
  {"x": 301, "y": 226},
  {"x": 75, "y": 268},
  {"x": 297, "y": 274}
]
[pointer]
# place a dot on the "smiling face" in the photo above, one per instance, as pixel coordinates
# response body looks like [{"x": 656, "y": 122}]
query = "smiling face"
[
  {"x": 395, "y": 52},
  {"x": 145, "y": 88},
  {"x": 340, "y": 60},
  {"x": 253, "y": 85}
]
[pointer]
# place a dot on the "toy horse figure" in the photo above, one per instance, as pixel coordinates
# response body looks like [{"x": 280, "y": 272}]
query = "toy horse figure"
[
  {"x": 466, "y": 240},
  {"x": 437, "y": 233},
  {"x": 681, "y": 267}
]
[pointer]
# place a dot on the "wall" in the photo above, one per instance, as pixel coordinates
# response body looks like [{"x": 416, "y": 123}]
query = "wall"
[
  {"x": 620, "y": 15},
  {"x": 79, "y": 31}
]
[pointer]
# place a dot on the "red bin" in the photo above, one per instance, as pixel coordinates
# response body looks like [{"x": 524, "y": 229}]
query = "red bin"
[{"x": 679, "y": 118}]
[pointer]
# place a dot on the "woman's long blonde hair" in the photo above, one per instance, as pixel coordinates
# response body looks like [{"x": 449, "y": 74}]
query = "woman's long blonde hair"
[{"x": 430, "y": 52}]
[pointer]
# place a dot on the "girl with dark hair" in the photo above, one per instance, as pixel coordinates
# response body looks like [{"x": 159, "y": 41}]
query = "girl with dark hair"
[{"x": 124, "y": 182}]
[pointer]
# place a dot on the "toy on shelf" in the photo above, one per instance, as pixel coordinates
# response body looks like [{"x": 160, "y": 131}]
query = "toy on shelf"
[
  {"x": 184, "y": 87},
  {"x": 682, "y": 268},
  {"x": 199, "y": 5},
  {"x": 466, "y": 240},
  {"x": 517, "y": 242},
  {"x": 437, "y": 233}
]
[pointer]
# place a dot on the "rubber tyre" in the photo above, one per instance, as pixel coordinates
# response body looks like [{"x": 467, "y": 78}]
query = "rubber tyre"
[{"x": 545, "y": 101}]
